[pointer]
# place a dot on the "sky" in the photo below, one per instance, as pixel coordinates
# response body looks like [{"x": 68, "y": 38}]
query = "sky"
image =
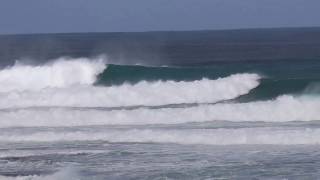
[{"x": 56, "y": 16}]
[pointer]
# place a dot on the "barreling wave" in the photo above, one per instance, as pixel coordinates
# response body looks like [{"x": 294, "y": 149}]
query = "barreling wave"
[
  {"x": 279, "y": 136},
  {"x": 143, "y": 93},
  {"x": 282, "y": 109},
  {"x": 60, "y": 73},
  {"x": 119, "y": 74}
]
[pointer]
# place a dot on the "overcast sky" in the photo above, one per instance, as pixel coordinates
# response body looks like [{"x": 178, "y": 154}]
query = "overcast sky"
[{"x": 47, "y": 16}]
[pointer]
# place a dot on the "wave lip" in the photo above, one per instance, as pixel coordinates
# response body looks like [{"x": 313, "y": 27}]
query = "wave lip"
[
  {"x": 61, "y": 73},
  {"x": 143, "y": 93}
]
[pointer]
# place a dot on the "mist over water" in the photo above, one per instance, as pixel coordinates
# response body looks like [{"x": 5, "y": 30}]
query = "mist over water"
[{"x": 99, "y": 117}]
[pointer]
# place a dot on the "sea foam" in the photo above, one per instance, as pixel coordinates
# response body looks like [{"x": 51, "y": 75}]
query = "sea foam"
[{"x": 280, "y": 136}]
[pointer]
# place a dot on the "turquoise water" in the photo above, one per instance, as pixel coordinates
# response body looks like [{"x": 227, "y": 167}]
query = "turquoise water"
[{"x": 279, "y": 78}]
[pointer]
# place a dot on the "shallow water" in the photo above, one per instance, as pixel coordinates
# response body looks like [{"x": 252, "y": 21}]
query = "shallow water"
[{"x": 102, "y": 160}]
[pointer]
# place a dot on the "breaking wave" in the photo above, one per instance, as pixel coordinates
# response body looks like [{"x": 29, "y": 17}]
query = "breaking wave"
[
  {"x": 282, "y": 109},
  {"x": 59, "y": 74},
  {"x": 70, "y": 83}
]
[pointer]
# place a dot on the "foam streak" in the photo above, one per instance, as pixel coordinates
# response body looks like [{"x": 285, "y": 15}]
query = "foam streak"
[{"x": 186, "y": 136}]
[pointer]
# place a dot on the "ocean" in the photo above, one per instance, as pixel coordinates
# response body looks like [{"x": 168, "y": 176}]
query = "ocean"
[{"x": 227, "y": 104}]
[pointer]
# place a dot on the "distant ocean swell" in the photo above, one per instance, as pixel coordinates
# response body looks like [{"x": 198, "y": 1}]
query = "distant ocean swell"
[{"x": 88, "y": 92}]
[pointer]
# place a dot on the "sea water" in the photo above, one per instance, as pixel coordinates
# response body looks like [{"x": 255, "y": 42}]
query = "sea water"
[{"x": 161, "y": 105}]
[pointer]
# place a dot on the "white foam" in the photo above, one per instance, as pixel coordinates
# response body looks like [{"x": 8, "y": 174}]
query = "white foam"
[
  {"x": 282, "y": 109},
  {"x": 142, "y": 93},
  {"x": 244, "y": 136},
  {"x": 61, "y": 73}
]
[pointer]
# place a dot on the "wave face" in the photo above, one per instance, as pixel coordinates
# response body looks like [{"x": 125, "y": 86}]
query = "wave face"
[{"x": 278, "y": 78}]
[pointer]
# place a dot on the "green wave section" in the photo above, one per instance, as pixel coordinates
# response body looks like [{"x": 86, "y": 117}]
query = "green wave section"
[{"x": 278, "y": 78}]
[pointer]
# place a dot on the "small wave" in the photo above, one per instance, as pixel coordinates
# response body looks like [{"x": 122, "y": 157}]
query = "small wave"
[
  {"x": 143, "y": 93},
  {"x": 283, "y": 109}
]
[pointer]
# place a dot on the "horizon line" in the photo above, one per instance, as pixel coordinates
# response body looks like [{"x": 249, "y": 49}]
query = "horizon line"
[{"x": 155, "y": 31}]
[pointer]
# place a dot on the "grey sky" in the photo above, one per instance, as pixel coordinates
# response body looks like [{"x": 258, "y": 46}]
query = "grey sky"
[{"x": 34, "y": 16}]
